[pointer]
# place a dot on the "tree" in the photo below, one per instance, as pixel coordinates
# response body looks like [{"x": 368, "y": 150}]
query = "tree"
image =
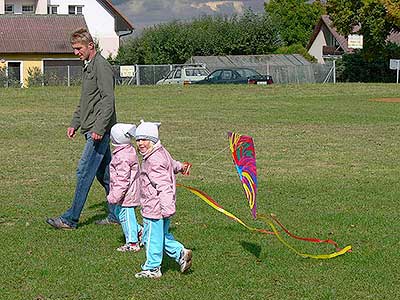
[
  {"x": 295, "y": 19},
  {"x": 374, "y": 19},
  {"x": 393, "y": 10}
]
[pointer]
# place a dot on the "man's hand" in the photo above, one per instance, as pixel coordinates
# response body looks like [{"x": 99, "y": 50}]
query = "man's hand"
[
  {"x": 96, "y": 137},
  {"x": 71, "y": 132}
]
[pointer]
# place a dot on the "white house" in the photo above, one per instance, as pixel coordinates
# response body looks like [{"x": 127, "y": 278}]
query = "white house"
[{"x": 104, "y": 21}]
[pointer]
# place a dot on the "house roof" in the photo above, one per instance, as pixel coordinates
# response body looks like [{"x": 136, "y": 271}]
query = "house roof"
[
  {"x": 121, "y": 22},
  {"x": 325, "y": 21},
  {"x": 38, "y": 33}
]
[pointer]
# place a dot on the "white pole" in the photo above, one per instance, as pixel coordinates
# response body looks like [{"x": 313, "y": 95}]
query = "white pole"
[
  {"x": 69, "y": 75},
  {"x": 398, "y": 67},
  {"x": 334, "y": 71}
]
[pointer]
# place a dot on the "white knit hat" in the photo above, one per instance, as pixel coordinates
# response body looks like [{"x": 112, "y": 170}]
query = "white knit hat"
[
  {"x": 122, "y": 133},
  {"x": 147, "y": 131}
]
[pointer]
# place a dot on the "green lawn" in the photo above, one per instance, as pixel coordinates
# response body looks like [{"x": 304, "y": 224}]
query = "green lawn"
[{"x": 328, "y": 164}]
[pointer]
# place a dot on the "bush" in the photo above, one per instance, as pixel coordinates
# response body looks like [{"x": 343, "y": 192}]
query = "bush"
[
  {"x": 296, "y": 49},
  {"x": 361, "y": 66},
  {"x": 35, "y": 77}
]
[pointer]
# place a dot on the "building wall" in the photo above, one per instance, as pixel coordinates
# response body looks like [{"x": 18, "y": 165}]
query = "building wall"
[
  {"x": 18, "y": 4},
  {"x": 100, "y": 22},
  {"x": 30, "y": 61},
  {"x": 316, "y": 48}
]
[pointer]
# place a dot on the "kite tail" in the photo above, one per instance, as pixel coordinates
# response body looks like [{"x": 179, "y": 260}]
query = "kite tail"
[
  {"x": 339, "y": 251},
  {"x": 214, "y": 204}
]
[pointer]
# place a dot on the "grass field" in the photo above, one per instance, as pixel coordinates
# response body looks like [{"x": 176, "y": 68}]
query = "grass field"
[{"x": 328, "y": 164}]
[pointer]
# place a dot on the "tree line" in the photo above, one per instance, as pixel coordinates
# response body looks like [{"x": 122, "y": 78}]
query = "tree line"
[{"x": 175, "y": 42}]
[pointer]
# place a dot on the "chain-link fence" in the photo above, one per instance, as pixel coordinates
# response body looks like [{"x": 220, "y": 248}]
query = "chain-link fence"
[{"x": 150, "y": 74}]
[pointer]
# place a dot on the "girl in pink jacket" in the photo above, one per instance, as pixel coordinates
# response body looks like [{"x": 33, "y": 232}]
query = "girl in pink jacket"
[
  {"x": 124, "y": 184},
  {"x": 157, "y": 199}
]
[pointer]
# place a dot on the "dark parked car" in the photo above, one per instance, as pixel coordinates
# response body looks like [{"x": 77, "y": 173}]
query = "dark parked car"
[{"x": 236, "y": 75}]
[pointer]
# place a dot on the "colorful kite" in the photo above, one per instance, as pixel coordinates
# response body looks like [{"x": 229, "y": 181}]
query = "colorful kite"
[{"x": 244, "y": 158}]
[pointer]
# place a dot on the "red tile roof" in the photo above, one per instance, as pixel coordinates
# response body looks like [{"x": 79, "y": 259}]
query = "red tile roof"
[{"x": 38, "y": 33}]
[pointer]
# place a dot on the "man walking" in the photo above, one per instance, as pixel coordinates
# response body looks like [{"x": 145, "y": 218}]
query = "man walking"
[{"x": 95, "y": 115}]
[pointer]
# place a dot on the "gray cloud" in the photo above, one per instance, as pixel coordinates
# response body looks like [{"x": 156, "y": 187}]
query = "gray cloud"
[{"x": 143, "y": 13}]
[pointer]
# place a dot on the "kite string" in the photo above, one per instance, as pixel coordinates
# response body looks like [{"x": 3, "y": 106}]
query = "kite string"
[{"x": 219, "y": 152}]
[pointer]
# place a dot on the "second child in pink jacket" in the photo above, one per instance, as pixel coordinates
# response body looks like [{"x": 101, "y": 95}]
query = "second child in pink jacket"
[
  {"x": 124, "y": 184},
  {"x": 157, "y": 199}
]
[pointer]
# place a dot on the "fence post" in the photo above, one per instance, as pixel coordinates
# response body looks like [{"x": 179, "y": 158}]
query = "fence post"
[
  {"x": 334, "y": 71},
  {"x": 137, "y": 74},
  {"x": 69, "y": 75}
]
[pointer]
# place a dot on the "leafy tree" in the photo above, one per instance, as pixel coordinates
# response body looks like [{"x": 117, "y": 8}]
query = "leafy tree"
[
  {"x": 295, "y": 18},
  {"x": 374, "y": 19}
]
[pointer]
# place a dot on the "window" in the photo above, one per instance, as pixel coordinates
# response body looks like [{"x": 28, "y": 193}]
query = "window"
[
  {"x": 27, "y": 9},
  {"x": 75, "y": 9},
  {"x": 226, "y": 75},
  {"x": 169, "y": 76},
  {"x": 215, "y": 75},
  {"x": 52, "y": 10},
  {"x": 195, "y": 72},
  {"x": 178, "y": 73},
  {"x": 9, "y": 8}
]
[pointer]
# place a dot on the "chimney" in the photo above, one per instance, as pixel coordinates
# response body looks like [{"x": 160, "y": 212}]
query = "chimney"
[{"x": 41, "y": 7}]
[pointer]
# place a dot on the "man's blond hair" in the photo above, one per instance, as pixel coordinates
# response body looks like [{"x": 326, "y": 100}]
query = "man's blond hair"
[{"x": 81, "y": 35}]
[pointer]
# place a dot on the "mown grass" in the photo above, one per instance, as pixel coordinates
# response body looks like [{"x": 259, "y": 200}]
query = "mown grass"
[{"x": 328, "y": 163}]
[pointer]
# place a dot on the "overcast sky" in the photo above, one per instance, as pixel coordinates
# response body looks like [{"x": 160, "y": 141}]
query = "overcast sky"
[{"x": 143, "y": 13}]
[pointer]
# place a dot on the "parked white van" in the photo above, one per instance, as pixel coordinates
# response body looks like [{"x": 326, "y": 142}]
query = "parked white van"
[{"x": 184, "y": 75}]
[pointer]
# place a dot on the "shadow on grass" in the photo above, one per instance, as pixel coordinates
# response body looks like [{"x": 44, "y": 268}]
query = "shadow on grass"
[
  {"x": 96, "y": 217},
  {"x": 170, "y": 264},
  {"x": 252, "y": 248}
]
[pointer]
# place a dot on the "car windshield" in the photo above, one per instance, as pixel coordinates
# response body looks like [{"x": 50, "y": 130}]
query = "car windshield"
[
  {"x": 215, "y": 75},
  {"x": 195, "y": 72},
  {"x": 247, "y": 72}
]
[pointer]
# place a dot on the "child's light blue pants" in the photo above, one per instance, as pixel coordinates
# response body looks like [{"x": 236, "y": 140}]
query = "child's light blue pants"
[
  {"x": 127, "y": 218},
  {"x": 157, "y": 239}
]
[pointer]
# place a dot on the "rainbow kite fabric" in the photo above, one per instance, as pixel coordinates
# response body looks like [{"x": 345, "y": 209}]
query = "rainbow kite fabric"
[{"x": 244, "y": 158}]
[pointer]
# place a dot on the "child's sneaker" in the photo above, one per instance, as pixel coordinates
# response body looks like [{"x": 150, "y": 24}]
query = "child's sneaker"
[
  {"x": 153, "y": 273},
  {"x": 185, "y": 261},
  {"x": 129, "y": 247}
]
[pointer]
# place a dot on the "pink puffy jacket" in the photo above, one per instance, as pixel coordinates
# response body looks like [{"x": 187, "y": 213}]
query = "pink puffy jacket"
[
  {"x": 124, "y": 177},
  {"x": 157, "y": 183}
]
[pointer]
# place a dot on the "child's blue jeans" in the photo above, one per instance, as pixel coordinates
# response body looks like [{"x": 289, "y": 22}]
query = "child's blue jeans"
[{"x": 157, "y": 239}]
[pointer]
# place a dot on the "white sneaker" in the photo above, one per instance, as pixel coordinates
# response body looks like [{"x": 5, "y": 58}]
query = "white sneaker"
[
  {"x": 153, "y": 273},
  {"x": 129, "y": 247},
  {"x": 185, "y": 261}
]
